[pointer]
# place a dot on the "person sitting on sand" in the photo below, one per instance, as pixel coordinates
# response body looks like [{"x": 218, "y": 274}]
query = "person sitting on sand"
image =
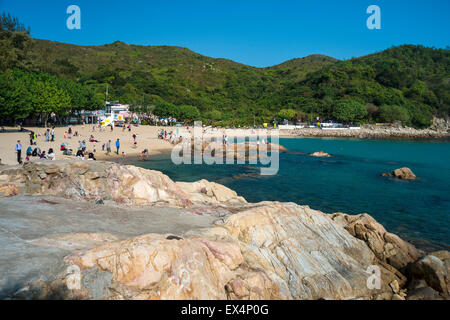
[
  {"x": 80, "y": 154},
  {"x": 51, "y": 155},
  {"x": 91, "y": 156},
  {"x": 36, "y": 152},
  {"x": 92, "y": 139},
  {"x": 42, "y": 155},
  {"x": 29, "y": 151}
]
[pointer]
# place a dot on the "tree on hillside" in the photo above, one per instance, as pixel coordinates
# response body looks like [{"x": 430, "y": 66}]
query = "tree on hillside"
[
  {"x": 15, "y": 98},
  {"x": 15, "y": 43},
  {"x": 392, "y": 113},
  {"x": 188, "y": 113},
  {"x": 349, "y": 110},
  {"x": 48, "y": 98},
  {"x": 287, "y": 114},
  {"x": 165, "y": 109},
  {"x": 421, "y": 115},
  {"x": 372, "y": 111}
]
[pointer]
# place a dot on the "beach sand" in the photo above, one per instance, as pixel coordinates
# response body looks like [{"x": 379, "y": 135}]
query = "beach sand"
[{"x": 147, "y": 138}]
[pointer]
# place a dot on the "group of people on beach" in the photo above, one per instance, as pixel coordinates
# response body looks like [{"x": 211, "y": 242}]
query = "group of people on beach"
[
  {"x": 30, "y": 152},
  {"x": 81, "y": 151}
]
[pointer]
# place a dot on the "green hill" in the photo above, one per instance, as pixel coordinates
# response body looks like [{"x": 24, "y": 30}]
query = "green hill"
[
  {"x": 406, "y": 83},
  {"x": 411, "y": 81},
  {"x": 145, "y": 74}
]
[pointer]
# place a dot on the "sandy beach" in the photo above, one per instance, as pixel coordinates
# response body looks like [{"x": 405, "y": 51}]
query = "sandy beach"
[{"x": 147, "y": 138}]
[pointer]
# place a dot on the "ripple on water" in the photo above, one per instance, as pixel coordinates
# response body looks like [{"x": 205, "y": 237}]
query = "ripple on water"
[{"x": 350, "y": 181}]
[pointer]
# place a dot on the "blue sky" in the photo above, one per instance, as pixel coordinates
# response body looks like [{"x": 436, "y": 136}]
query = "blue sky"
[{"x": 258, "y": 33}]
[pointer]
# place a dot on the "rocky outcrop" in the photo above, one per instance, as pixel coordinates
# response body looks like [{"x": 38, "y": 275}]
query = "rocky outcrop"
[
  {"x": 434, "y": 269},
  {"x": 267, "y": 251},
  {"x": 441, "y": 124},
  {"x": 107, "y": 181},
  {"x": 402, "y": 173},
  {"x": 437, "y": 131},
  {"x": 387, "y": 247},
  {"x": 320, "y": 154},
  {"x": 8, "y": 189},
  {"x": 237, "y": 250},
  {"x": 207, "y": 192}
]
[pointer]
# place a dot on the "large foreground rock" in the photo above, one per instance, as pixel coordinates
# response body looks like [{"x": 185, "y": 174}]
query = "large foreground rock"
[
  {"x": 152, "y": 238},
  {"x": 265, "y": 251}
]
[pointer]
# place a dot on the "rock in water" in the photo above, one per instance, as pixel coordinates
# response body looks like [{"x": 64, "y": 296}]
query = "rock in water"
[
  {"x": 320, "y": 154},
  {"x": 402, "y": 173}
]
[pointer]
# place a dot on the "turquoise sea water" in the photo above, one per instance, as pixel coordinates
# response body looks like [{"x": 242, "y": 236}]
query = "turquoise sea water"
[{"x": 350, "y": 181}]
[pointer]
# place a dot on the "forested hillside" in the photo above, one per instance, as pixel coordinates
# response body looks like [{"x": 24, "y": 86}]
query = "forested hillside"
[{"x": 406, "y": 83}]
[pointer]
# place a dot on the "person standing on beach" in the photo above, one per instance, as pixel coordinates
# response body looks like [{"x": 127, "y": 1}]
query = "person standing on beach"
[
  {"x": 19, "y": 151},
  {"x": 117, "y": 146},
  {"x": 108, "y": 147},
  {"x": 52, "y": 132}
]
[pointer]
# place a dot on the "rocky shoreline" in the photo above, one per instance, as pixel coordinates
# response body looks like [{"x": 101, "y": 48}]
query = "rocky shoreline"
[
  {"x": 100, "y": 230},
  {"x": 371, "y": 132}
]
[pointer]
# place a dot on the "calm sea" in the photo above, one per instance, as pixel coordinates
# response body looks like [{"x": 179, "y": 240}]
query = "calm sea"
[{"x": 350, "y": 182}]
